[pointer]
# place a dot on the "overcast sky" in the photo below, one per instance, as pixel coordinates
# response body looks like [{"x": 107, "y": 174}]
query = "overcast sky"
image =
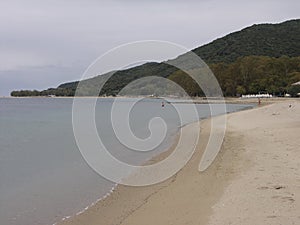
[{"x": 46, "y": 42}]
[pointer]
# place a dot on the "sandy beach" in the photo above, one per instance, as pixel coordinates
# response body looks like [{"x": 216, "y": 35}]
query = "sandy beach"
[{"x": 255, "y": 179}]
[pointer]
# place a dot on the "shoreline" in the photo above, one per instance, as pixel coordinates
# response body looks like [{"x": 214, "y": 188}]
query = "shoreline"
[
  {"x": 145, "y": 192},
  {"x": 198, "y": 100},
  {"x": 189, "y": 197},
  {"x": 140, "y": 196}
]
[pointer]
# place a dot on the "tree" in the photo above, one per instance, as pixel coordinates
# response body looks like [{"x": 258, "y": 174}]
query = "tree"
[
  {"x": 294, "y": 90},
  {"x": 240, "y": 90}
]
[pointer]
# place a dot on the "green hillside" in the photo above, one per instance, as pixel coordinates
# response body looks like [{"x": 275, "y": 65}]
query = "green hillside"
[
  {"x": 272, "y": 40},
  {"x": 235, "y": 59}
]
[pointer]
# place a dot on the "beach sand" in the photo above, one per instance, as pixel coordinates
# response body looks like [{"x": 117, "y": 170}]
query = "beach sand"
[{"x": 255, "y": 179}]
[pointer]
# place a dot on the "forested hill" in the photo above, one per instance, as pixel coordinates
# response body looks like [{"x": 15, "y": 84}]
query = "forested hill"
[
  {"x": 273, "y": 48},
  {"x": 272, "y": 40}
]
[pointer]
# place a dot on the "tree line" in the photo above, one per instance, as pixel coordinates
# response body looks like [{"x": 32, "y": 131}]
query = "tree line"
[
  {"x": 250, "y": 75},
  {"x": 247, "y": 75}
]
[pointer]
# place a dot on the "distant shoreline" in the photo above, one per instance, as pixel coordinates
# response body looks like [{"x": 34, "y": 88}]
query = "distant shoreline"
[{"x": 198, "y": 100}]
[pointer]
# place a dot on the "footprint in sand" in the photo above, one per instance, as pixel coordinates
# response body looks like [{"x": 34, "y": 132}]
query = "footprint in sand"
[
  {"x": 276, "y": 187},
  {"x": 288, "y": 199}
]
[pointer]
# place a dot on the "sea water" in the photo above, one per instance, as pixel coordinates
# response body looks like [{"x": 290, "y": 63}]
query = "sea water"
[{"x": 43, "y": 176}]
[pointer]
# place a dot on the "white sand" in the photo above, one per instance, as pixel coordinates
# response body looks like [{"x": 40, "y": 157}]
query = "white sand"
[{"x": 268, "y": 192}]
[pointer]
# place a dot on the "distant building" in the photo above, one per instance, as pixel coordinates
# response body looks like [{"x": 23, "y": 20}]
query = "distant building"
[{"x": 257, "y": 96}]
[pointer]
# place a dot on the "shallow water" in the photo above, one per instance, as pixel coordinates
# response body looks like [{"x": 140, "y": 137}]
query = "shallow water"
[{"x": 43, "y": 176}]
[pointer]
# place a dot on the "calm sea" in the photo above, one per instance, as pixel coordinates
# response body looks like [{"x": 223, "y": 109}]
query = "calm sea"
[{"x": 43, "y": 177}]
